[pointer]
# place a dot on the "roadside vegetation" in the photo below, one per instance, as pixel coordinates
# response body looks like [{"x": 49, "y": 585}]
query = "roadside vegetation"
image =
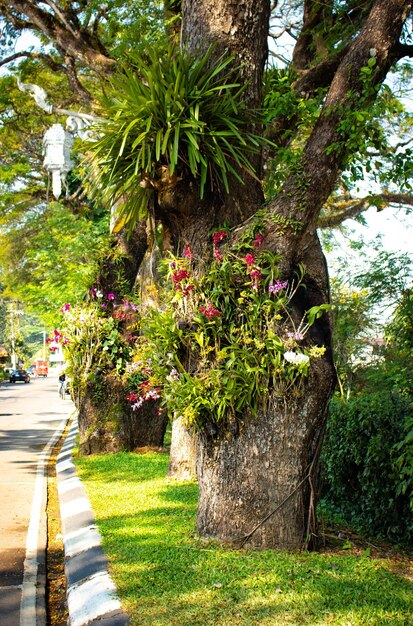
[
  {"x": 166, "y": 575},
  {"x": 242, "y": 328}
]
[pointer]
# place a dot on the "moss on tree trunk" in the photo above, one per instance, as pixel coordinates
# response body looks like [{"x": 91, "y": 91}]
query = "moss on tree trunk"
[{"x": 107, "y": 422}]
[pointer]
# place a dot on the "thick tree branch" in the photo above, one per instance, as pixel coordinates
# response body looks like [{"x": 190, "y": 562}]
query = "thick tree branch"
[
  {"x": 54, "y": 65},
  {"x": 70, "y": 69},
  {"x": 339, "y": 212},
  {"x": 62, "y": 27},
  {"x": 59, "y": 13},
  {"x": 319, "y": 75},
  {"x": 308, "y": 45},
  {"x": 327, "y": 148},
  {"x": 18, "y": 22}
]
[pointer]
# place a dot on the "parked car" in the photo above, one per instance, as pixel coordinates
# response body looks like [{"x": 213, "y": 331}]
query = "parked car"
[{"x": 19, "y": 376}]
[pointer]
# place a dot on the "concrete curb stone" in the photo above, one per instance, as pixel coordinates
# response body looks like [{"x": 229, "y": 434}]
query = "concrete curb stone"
[{"x": 91, "y": 593}]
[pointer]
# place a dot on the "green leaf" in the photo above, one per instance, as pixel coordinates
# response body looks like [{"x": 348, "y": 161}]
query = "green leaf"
[
  {"x": 158, "y": 144},
  {"x": 316, "y": 312}
]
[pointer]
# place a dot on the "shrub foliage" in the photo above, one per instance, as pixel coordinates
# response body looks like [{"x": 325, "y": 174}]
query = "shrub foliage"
[{"x": 360, "y": 468}]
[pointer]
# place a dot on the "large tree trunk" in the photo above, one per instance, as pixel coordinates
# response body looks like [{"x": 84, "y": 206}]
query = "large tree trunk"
[
  {"x": 258, "y": 486},
  {"x": 238, "y": 30},
  {"x": 234, "y": 28},
  {"x": 258, "y": 483},
  {"x": 107, "y": 422}
]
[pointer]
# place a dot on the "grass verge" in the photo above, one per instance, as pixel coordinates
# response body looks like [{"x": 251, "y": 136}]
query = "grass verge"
[{"x": 166, "y": 576}]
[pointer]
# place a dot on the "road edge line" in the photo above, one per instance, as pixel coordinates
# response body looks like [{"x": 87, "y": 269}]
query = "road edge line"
[{"x": 33, "y": 604}]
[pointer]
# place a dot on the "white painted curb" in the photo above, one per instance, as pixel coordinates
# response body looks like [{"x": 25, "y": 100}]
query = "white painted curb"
[{"x": 93, "y": 597}]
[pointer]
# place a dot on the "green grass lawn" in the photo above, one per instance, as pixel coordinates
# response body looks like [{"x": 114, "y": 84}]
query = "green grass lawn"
[{"x": 167, "y": 576}]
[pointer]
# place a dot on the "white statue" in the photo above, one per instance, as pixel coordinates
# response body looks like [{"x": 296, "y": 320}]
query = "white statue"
[
  {"x": 78, "y": 125},
  {"x": 58, "y": 141},
  {"x": 57, "y": 144},
  {"x": 38, "y": 94}
]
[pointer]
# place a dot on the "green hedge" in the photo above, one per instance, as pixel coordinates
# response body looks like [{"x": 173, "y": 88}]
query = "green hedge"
[{"x": 361, "y": 477}]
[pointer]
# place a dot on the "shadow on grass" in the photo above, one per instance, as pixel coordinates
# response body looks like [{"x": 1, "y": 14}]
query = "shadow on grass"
[
  {"x": 123, "y": 467},
  {"x": 166, "y": 577}
]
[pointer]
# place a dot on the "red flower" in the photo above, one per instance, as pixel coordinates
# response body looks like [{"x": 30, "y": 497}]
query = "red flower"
[
  {"x": 258, "y": 240},
  {"x": 249, "y": 259},
  {"x": 256, "y": 273},
  {"x": 188, "y": 290},
  {"x": 218, "y": 255},
  {"x": 219, "y": 236},
  {"x": 209, "y": 311},
  {"x": 187, "y": 251},
  {"x": 180, "y": 275}
]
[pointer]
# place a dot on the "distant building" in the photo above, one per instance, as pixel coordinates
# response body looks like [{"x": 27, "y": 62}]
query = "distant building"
[
  {"x": 371, "y": 352},
  {"x": 56, "y": 357}
]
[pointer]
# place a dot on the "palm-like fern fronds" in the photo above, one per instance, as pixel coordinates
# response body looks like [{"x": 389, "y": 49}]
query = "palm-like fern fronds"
[{"x": 176, "y": 116}]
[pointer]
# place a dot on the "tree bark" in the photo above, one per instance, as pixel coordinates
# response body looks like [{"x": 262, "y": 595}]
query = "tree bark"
[
  {"x": 258, "y": 485},
  {"x": 234, "y": 26},
  {"x": 183, "y": 455}
]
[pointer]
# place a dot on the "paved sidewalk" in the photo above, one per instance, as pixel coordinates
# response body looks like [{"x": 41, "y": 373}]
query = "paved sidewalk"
[{"x": 91, "y": 593}]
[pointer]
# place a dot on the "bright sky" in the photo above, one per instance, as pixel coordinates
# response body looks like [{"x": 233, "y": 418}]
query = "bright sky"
[{"x": 395, "y": 226}]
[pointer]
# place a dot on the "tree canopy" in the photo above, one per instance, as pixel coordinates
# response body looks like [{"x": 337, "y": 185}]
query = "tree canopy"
[{"x": 79, "y": 43}]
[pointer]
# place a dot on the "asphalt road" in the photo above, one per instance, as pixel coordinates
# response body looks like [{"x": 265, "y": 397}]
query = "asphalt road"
[{"x": 30, "y": 415}]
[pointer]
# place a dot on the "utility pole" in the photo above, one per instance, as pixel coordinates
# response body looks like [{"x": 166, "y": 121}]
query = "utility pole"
[
  {"x": 11, "y": 312},
  {"x": 13, "y": 315}
]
